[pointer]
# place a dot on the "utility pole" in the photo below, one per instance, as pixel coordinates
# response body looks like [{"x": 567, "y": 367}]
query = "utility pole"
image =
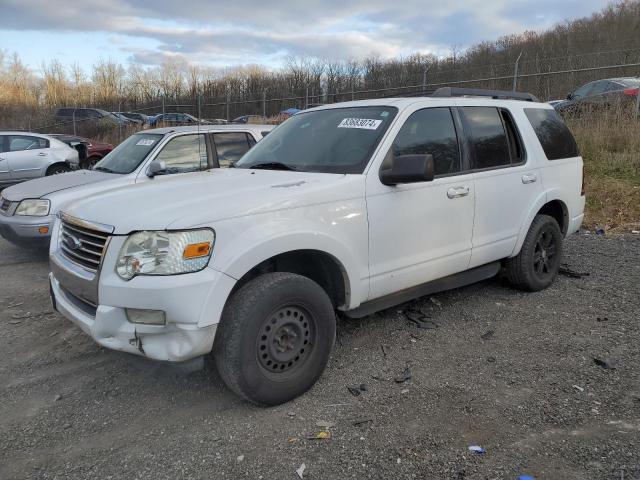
[
  {"x": 264, "y": 103},
  {"x": 515, "y": 73}
]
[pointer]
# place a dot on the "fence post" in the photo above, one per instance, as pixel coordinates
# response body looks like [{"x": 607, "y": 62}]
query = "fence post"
[
  {"x": 228, "y": 118},
  {"x": 353, "y": 93},
  {"x": 306, "y": 97},
  {"x": 264, "y": 103},
  {"x": 515, "y": 73},
  {"x": 73, "y": 118},
  {"x": 163, "y": 106},
  {"x": 199, "y": 110},
  {"x": 424, "y": 80}
]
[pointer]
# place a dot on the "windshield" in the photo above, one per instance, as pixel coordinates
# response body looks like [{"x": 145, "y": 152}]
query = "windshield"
[
  {"x": 127, "y": 156},
  {"x": 337, "y": 140}
]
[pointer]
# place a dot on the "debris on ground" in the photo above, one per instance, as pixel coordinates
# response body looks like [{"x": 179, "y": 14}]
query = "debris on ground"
[
  {"x": 491, "y": 359},
  {"x": 525, "y": 477},
  {"x": 404, "y": 391},
  {"x": 355, "y": 391},
  {"x": 363, "y": 387},
  {"x": 435, "y": 301},
  {"x": 291, "y": 413},
  {"x": 361, "y": 422},
  {"x": 568, "y": 272},
  {"x": 603, "y": 363},
  {"x": 384, "y": 350},
  {"x": 240, "y": 458},
  {"x": 404, "y": 376},
  {"x": 579, "y": 388},
  {"x": 300, "y": 471},
  {"x": 600, "y": 231},
  {"x": 420, "y": 319},
  {"x": 603, "y": 319},
  {"x": 487, "y": 335},
  {"x": 476, "y": 449},
  {"x": 322, "y": 435}
]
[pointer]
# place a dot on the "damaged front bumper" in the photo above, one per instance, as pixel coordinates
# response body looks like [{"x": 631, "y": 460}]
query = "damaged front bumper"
[{"x": 109, "y": 327}]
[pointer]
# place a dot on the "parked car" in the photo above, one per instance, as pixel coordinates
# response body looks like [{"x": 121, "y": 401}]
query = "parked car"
[
  {"x": 352, "y": 207},
  {"x": 140, "y": 117},
  {"x": 94, "y": 151},
  {"x": 70, "y": 115},
  {"x": 600, "y": 94},
  {"x": 26, "y": 155},
  {"x": 29, "y": 209},
  {"x": 127, "y": 120},
  {"x": 217, "y": 121},
  {"x": 177, "y": 119},
  {"x": 248, "y": 119}
]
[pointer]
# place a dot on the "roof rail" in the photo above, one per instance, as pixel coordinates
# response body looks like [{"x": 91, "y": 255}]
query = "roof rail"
[{"x": 479, "y": 92}]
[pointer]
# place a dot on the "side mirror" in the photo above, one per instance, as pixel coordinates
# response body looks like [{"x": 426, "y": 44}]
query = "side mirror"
[
  {"x": 155, "y": 168},
  {"x": 570, "y": 96},
  {"x": 408, "y": 169}
]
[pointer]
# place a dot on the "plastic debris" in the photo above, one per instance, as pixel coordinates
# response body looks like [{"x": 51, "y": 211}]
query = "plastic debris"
[
  {"x": 363, "y": 387},
  {"x": 355, "y": 391},
  {"x": 579, "y": 388},
  {"x": 635, "y": 232},
  {"x": 567, "y": 272},
  {"x": 491, "y": 359},
  {"x": 476, "y": 449},
  {"x": 602, "y": 319},
  {"x": 600, "y": 231},
  {"x": 405, "y": 390},
  {"x": 435, "y": 301},
  {"x": 300, "y": 470},
  {"x": 322, "y": 435},
  {"x": 421, "y": 320},
  {"x": 603, "y": 363},
  {"x": 291, "y": 413},
  {"x": 362, "y": 422},
  {"x": 525, "y": 477},
  {"x": 404, "y": 376},
  {"x": 487, "y": 335},
  {"x": 240, "y": 458}
]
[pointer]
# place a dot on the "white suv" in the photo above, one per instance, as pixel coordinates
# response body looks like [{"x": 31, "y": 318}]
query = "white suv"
[{"x": 352, "y": 207}]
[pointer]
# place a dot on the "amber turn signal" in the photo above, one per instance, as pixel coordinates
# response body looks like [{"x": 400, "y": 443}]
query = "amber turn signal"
[
  {"x": 196, "y": 250},
  {"x": 43, "y": 230}
]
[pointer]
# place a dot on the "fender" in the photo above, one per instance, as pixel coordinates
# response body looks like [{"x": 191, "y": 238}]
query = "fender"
[
  {"x": 544, "y": 198},
  {"x": 264, "y": 241}
]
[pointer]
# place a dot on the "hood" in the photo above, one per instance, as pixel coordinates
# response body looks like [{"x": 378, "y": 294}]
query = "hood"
[
  {"x": 203, "y": 198},
  {"x": 46, "y": 185}
]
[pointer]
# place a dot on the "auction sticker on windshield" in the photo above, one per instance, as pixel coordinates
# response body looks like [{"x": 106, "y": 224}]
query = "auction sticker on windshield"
[
  {"x": 366, "y": 123},
  {"x": 147, "y": 142}
]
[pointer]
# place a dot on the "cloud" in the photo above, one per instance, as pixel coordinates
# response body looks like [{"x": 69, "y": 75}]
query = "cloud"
[{"x": 248, "y": 31}]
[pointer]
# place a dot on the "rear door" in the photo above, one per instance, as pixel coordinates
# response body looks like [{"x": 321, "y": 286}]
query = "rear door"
[
  {"x": 28, "y": 156},
  {"x": 506, "y": 180}
]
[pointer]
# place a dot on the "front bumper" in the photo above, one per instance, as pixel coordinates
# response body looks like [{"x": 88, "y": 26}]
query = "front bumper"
[
  {"x": 26, "y": 231},
  {"x": 109, "y": 327}
]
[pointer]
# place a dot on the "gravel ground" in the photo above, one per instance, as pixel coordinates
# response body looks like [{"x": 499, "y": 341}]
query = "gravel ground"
[{"x": 510, "y": 371}]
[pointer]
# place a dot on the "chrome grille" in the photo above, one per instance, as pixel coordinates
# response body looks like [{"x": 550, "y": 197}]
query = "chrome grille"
[{"x": 82, "y": 245}]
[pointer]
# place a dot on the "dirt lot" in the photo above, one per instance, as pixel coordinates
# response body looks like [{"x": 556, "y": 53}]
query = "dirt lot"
[{"x": 509, "y": 371}]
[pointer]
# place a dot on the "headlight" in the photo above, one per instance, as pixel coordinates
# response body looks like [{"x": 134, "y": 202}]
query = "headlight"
[
  {"x": 33, "y": 208},
  {"x": 165, "y": 253}
]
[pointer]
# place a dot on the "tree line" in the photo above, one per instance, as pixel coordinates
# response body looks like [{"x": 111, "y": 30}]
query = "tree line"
[{"x": 609, "y": 37}]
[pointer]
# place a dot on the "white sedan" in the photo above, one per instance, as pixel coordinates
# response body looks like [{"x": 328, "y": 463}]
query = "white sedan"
[{"x": 26, "y": 155}]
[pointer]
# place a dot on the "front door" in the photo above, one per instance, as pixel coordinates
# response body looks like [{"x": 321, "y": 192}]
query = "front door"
[{"x": 419, "y": 232}]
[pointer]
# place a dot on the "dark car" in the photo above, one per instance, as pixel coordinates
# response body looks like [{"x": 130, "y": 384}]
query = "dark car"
[
  {"x": 248, "y": 119},
  {"x": 69, "y": 115},
  {"x": 171, "y": 119},
  {"x": 135, "y": 116},
  {"x": 605, "y": 93},
  {"x": 90, "y": 151}
]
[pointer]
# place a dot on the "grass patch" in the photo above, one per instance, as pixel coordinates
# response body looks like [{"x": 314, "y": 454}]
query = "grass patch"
[{"x": 609, "y": 143}]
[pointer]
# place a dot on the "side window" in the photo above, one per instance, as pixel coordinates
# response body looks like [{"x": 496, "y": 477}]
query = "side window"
[
  {"x": 599, "y": 87},
  {"x": 19, "y": 143},
  {"x": 186, "y": 153},
  {"x": 583, "y": 91},
  {"x": 487, "y": 136},
  {"x": 554, "y": 136},
  {"x": 516, "y": 148},
  {"x": 230, "y": 147},
  {"x": 430, "y": 131},
  {"x": 252, "y": 141}
]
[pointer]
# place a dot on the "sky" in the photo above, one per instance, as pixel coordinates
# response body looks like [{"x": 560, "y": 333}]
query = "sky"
[{"x": 240, "y": 32}]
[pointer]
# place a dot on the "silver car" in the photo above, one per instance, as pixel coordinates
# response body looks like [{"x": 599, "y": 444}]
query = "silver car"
[
  {"x": 25, "y": 155},
  {"x": 28, "y": 210}
]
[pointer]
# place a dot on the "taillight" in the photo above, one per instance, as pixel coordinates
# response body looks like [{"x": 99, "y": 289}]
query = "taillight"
[
  {"x": 632, "y": 92},
  {"x": 582, "y": 188}
]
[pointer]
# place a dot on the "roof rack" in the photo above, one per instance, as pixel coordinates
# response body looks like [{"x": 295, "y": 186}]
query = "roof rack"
[{"x": 479, "y": 92}]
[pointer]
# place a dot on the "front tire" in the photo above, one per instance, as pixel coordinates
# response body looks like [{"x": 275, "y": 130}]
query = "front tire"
[
  {"x": 275, "y": 338},
  {"x": 538, "y": 263},
  {"x": 57, "y": 169}
]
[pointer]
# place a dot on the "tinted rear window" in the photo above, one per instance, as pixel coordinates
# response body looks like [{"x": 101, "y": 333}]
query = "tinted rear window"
[
  {"x": 554, "y": 136},
  {"x": 488, "y": 138}
]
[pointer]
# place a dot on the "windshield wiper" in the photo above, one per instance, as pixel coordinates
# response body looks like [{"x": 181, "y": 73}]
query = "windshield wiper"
[
  {"x": 103, "y": 169},
  {"x": 274, "y": 166}
]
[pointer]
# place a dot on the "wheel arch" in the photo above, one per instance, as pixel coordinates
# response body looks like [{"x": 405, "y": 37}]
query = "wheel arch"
[
  {"x": 56, "y": 164},
  {"x": 548, "y": 203}
]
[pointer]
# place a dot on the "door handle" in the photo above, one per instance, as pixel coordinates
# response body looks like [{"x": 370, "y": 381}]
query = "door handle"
[
  {"x": 457, "y": 192},
  {"x": 529, "y": 178},
  {"x": 42, "y": 154}
]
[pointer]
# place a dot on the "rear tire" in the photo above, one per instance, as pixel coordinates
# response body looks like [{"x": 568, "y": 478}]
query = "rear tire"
[
  {"x": 537, "y": 264},
  {"x": 275, "y": 338},
  {"x": 57, "y": 169}
]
